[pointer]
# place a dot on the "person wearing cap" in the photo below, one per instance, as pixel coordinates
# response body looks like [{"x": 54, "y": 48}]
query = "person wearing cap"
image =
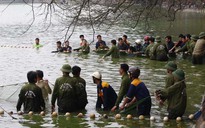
[
  {"x": 31, "y": 95},
  {"x": 100, "y": 44},
  {"x": 159, "y": 50},
  {"x": 106, "y": 95},
  {"x": 171, "y": 67},
  {"x": 65, "y": 92},
  {"x": 151, "y": 44},
  {"x": 138, "y": 46},
  {"x": 137, "y": 91},
  {"x": 170, "y": 44},
  {"x": 175, "y": 95},
  {"x": 198, "y": 54},
  {"x": 114, "y": 51},
  {"x": 80, "y": 87},
  {"x": 125, "y": 84},
  {"x": 194, "y": 39},
  {"x": 43, "y": 84}
]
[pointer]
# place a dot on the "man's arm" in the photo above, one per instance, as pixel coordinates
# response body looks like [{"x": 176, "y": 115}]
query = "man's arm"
[{"x": 20, "y": 100}]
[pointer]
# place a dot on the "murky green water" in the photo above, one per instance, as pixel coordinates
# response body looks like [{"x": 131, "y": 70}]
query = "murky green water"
[{"x": 17, "y": 58}]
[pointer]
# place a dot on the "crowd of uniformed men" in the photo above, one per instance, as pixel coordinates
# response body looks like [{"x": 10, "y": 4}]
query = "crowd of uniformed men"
[{"x": 70, "y": 92}]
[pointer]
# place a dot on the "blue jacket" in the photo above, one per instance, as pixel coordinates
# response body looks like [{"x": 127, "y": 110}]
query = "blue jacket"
[
  {"x": 98, "y": 44},
  {"x": 106, "y": 96}
]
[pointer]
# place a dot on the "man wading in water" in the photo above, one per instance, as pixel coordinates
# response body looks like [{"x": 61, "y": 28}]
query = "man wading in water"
[{"x": 31, "y": 95}]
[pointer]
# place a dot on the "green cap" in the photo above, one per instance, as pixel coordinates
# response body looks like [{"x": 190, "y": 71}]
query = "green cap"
[
  {"x": 171, "y": 66},
  {"x": 158, "y": 39},
  {"x": 179, "y": 74},
  {"x": 66, "y": 68},
  {"x": 202, "y": 34},
  {"x": 194, "y": 37}
]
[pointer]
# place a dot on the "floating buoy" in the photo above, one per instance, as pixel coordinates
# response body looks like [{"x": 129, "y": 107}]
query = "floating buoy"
[
  {"x": 80, "y": 115},
  {"x": 117, "y": 116},
  {"x": 178, "y": 119},
  {"x": 191, "y": 116},
  {"x": 54, "y": 114},
  {"x": 20, "y": 113},
  {"x": 67, "y": 114},
  {"x": 141, "y": 117},
  {"x": 1, "y": 111},
  {"x": 105, "y": 116},
  {"x": 92, "y": 115},
  {"x": 152, "y": 118},
  {"x": 129, "y": 116},
  {"x": 165, "y": 119},
  {"x": 42, "y": 113},
  {"x": 30, "y": 113}
]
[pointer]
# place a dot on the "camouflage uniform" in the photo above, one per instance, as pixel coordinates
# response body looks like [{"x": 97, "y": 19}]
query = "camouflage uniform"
[
  {"x": 32, "y": 99},
  {"x": 114, "y": 52}
]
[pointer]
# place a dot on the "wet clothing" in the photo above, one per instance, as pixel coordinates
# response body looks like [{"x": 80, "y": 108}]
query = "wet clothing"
[
  {"x": 81, "y": 92},
  {"x": 144, "y": 46},
  {"x": 68, "y": 49},
  {"x": 147, "y": 51},
  {"x": 159, "y": 52},
  {"x": 169, "y": 80},
  {"x": 114, "y": 52},
  {"x": 123, "y": 46},
  {"x": 198, "y": 55},
  {"x": 84, "y": 49},
  {"x": 139, "y": 90},
  {"x": 61, "y": 49},
  {"x": 191, "y": 49},
  {"x": 37, "y": 46},
  {"x": 32, "y": 99},
  {"x": 186, "y": 47},
  {"x": 65, "y": 93},
  {"x": 170, "y": 45},
  {"x": 138, "y": 47},
  {"x": 100, "y": 43},
  {"x": 45, "y": 88},
  {"x": 106, "y": 96},
  {"x": 125, "y": 84},
  {"x": 180, "y": 44},
  {"x": 177, "y": 98}
]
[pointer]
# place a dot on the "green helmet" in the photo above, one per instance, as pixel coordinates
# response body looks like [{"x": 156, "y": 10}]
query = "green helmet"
[
  {"x": 194, "y": 37},
  {"x": 66, "y": 68},
  {"x": 158, "y": 39},
  {"x": 202, "y": 34},
  {"x": 179, "y": 74},
  {"x": 171, "y": 66}
]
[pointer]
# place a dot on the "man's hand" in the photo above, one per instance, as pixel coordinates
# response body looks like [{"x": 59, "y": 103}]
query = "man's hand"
[
  {"x": 122, "y": 107},
  {"x": 113, "y": 108}
]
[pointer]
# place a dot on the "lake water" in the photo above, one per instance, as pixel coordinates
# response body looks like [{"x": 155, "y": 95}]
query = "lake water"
[{"x": 17, "y": 57}]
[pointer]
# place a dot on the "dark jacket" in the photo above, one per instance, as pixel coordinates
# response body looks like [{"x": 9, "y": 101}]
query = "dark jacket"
[
  {"x": 81, "y": 92},
  {"x": 31, "y": 97},
  {"x": 106, "y": 96}
]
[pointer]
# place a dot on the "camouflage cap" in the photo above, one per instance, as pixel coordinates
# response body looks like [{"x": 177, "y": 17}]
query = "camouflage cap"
[
  {"x": 202, "y": 34},
  {"x": 171, "y": 66},
  {"x": 179, "y": 74},
  {"x": 194, "y": 37},
  {"x": 158, "y": 39}
]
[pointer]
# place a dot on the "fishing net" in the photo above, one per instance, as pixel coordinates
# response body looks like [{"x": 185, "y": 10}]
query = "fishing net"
[{"x": 10, "y": 92}]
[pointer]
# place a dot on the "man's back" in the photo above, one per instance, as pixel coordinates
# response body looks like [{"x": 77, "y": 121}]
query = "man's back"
[
  {"x": 64, "y": 92},
  {"x": 199, "y": 47},
  {"x": 32, "y": 99},
  {"x": 81, "y": 92}
]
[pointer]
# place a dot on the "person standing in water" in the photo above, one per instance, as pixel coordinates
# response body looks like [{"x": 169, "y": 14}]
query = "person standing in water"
[
  {"x": 31, "y": 95},
  {"x": 45, "y": 88},
  {"x": 37, "y": 43}
]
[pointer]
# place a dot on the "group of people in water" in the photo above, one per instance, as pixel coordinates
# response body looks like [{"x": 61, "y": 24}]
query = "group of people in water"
[
  {"x": 191, "y": 46},
  {"x": 70, "y": 92}
]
